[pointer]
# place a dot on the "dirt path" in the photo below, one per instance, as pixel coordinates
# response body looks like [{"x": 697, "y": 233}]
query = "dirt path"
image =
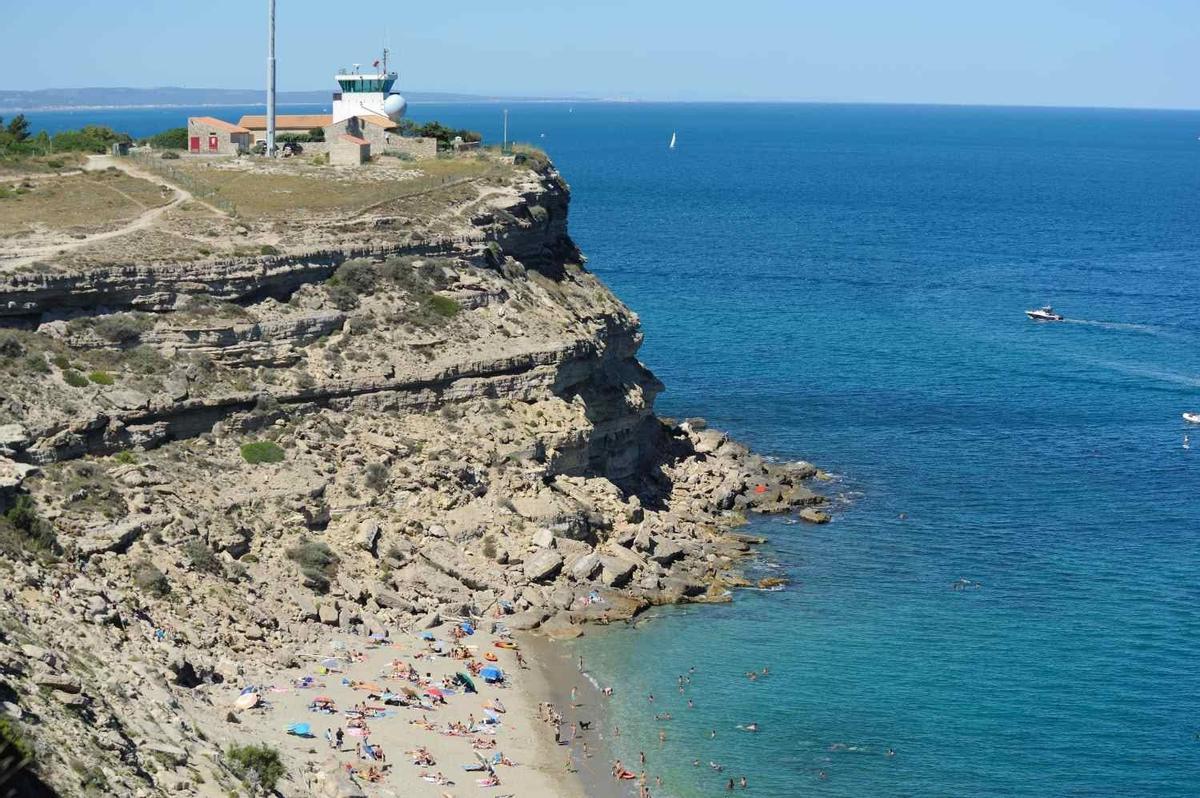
[{"x": 23, "y": 256}]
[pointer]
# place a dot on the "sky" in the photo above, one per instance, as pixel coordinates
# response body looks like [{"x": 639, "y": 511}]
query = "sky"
[{"x": 1119, "y": 53}]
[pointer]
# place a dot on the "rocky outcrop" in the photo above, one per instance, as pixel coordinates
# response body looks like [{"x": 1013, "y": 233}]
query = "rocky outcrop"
[{"x": 413, "y": 427}]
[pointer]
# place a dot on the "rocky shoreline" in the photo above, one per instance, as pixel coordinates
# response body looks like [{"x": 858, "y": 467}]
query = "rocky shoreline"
[{"x": 375, "y": 439}]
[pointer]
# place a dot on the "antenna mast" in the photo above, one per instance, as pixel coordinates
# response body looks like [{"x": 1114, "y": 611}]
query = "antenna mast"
[{"x": 271, "y": 79}]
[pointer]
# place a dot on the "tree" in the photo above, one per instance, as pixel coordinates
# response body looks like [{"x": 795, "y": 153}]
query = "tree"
[
  {"x": 175, "y": 138},
  {"x": 316, "y": 134},
  {"x": 18, "y": 128}
]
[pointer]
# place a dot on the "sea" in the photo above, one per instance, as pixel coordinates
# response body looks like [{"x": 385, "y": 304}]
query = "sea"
[{"x": 1007, "y": 601}]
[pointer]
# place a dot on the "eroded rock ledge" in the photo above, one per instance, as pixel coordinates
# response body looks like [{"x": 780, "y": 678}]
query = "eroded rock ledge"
[{"x": 460, "y": 420}]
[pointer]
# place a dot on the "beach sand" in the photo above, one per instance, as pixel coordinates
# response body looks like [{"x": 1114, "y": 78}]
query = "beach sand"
[
  {"x": 558, "y": 673},
  {"x": 540, "y": 768}
]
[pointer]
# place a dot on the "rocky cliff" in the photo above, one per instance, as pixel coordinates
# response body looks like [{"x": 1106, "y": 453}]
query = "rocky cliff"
[{"x": 206, "y": 462}]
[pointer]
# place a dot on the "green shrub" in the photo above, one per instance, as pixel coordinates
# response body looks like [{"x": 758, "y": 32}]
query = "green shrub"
[
  {"x": 342, "y": 296},
  {"x": 489, "y": 546},
  {"x": 36, "y": 364},
  {"x": 317, "y": 562},
  {"x": 201, "y": 557},
  {"x": 61, "y": 361},
  {"x": 74, "y": 379},
  {"x": 170, "y": 155},
  {"x": 54, "y": 163},
  {"x": 256, "y": 764},
  {"x": 444, "y": 305},
  {"x": 101, "y": 377},
  {"x": 23, "y": 530},
  {"x": 377, "y": 476},
  {"x": 359, "y": 275},
  {"x": 262, "y": 452},
  {"x": 13, "y": 742},
  {"x": 122, "y": 327},
  {"x": 267, "y": 249},
  {"x": 175, "y": 138},
  {"x": 125, "y": 457},
  {"x": 150, "y": 580},
  {"x": 11, "y": 347}
]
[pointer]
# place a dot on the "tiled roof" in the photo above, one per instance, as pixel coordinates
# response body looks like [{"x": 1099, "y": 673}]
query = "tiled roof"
[
  {"x": 378, "y": 121},
  {"x": 219, "y": 124},
  {"x": 287, "y": 121}
]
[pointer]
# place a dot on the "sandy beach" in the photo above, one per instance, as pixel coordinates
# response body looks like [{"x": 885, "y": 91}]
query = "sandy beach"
[{"x": 364, "y": 674}]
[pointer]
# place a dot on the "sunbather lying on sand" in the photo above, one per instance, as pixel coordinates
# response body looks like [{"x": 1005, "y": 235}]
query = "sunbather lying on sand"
[{"x": 436, "y": 778}]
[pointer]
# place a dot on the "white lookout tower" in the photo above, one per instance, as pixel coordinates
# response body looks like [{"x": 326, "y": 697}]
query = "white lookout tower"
[{"x": 367, "y": 94}]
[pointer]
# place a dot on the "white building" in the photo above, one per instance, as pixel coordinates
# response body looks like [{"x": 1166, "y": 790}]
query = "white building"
[{"x": 367, "y": 94}]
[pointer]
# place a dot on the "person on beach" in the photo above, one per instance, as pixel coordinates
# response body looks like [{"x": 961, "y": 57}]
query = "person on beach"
[
  {"x": 581, "y": 664},
  {"x": 642, "y": 758},
  {"x": 574, "y": 696},
  {"x": 329, "y": 737},
  {"x": 521, "y": 661},
  {"x": 338, "y": 736}
]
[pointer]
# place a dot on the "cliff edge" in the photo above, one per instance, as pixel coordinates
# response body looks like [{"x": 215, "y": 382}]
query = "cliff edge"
[{"x": 261, "y": 402}]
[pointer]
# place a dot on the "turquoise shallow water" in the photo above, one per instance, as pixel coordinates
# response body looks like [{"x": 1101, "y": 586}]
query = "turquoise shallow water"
[{"x": 846, "y": 284}]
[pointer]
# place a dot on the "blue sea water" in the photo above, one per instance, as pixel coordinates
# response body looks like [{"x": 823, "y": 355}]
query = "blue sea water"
[{"x": 845, "y": 284}]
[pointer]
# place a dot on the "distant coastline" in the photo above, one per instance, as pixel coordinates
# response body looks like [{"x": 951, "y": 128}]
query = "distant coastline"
[{"x": 98, "y": 98}]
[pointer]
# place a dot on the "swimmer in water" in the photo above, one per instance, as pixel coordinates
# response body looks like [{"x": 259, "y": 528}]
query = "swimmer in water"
[
  {"x": 743, "y": 782},
  {"x": 822, "y": 775},
  {"x": 889, "y": 753},
  {"x": 751, "y": 727}
]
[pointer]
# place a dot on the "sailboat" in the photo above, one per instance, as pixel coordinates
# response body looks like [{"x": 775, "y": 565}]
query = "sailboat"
[{"x": 671, "y": 146}]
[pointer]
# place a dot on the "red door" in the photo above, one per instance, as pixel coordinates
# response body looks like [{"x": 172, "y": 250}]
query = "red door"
[
  {"x": 194, "y": 144},
  {"x": 212, "y": 143}
]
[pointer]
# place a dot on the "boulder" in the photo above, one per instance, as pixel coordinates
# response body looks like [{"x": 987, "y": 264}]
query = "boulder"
[
  {"x": 814, "y": 516},
  {"x": 585, "y": 567},
  {"x": 543, "y": 566},
  {"x": 62, "y": 682},
  {"x": 392, "y": 600},
  {"x": 524, "y": 621},
  {"x": 328, "y": 614},
  {"x": 428, "y": 621},
  {"x": 368, "y": 535},
  {"x": 666, "y": 552},
  {"x": 616, "y": 571},
  {"x": 543, "y": 538}
]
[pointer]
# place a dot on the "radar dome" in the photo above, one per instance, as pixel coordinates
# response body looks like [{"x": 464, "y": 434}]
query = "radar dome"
[{"x": 394, "y": 106}]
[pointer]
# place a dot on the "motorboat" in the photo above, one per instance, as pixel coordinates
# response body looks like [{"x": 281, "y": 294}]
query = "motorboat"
[
  {"x": 1044, "y": 314},
  {"x": 1192, "y": 418}
]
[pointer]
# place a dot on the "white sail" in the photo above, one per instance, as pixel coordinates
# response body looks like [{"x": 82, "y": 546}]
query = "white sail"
[{"x": 671, "y": 146}]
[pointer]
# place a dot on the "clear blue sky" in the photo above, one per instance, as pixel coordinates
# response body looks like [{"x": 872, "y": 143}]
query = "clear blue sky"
[{"x": 1137, "y": 53}]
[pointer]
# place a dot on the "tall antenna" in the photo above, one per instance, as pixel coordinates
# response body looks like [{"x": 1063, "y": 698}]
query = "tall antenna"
[{"x": 271, "y": 79}]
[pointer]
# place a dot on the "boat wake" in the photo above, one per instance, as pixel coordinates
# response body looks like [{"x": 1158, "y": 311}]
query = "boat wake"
[{"x": 1118, "y": 326}]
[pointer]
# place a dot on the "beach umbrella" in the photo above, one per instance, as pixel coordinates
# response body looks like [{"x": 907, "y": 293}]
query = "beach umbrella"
[
  {"x": 247, "y": 701},
  {"x": 426, "y": 635},
  {"x": 491, "y": 674},
  {"x": 466, "y": 627},
  {"x": 433, "y": 691},
  {"x": 329, "y": 662},
  {"x": 467, "y": 682}
]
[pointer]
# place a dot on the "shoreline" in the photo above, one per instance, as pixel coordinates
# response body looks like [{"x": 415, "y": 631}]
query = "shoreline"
[{"x": 557, "y": 674}]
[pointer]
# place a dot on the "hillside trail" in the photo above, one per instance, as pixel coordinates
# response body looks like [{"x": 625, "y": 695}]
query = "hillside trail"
[{"x": 17, "y": 257}]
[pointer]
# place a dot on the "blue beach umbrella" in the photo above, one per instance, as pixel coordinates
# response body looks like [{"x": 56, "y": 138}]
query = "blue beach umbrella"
[
  {"x": 300, "y": 730},
  {"x": 492, "y": 674}
]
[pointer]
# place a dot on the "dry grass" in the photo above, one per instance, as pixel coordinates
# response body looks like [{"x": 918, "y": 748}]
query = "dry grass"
[
  {"x": 79, "y": 204},
  {"x": 287, "y": 188}
]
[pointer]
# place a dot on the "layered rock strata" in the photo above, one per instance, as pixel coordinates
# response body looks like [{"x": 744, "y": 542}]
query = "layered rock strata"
[{"x": 458, "y": 426}]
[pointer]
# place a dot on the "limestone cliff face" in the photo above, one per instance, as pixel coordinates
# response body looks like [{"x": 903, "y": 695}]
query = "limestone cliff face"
[
  {"x": 447, "y": 414},
  {"x": 514, "y": 271}
]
